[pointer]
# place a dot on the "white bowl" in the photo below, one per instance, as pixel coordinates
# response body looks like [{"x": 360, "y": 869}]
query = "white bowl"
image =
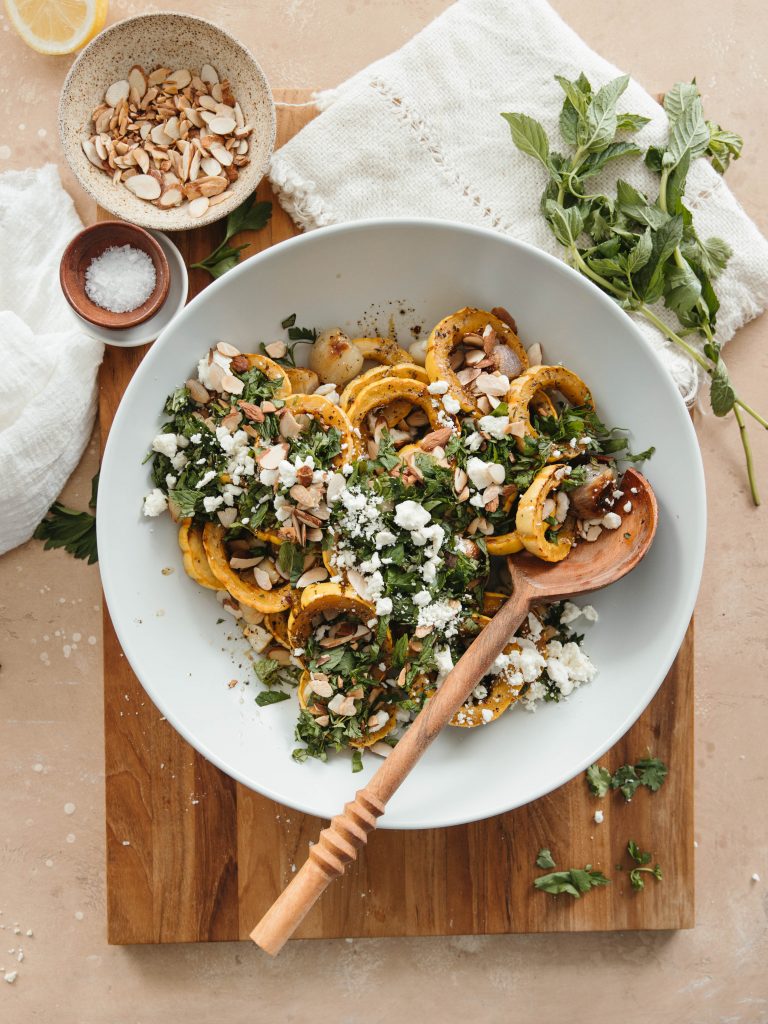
[
  {"x": 359, "y": 276},
  {"x": 143, "y": 333}
]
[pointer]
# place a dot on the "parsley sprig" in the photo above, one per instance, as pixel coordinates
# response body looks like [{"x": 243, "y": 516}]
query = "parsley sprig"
[
  {"x": 641, "y": 858},
  {"x": 74, "y": 531},
  {"x": 641, "y": 251},
  {"x": 649, "y": 772},
  {"x": 575, "y": 882},
  {"x": 249, "y": 216}
]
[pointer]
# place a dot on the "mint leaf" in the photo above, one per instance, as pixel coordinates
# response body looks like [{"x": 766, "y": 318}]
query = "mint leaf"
[
  {"x": 567, "y": 225},
  {"x": 574, "y": 882},
  {"x": 529, "y": 137},
  {"x": 601, "y": 120},
  {"x": 631, "y": 122},
  {"x": 723, "y": 147},
  {"x": 682, "y": 289},
  {"x": 722, "y": 397},
  {"x": 689, "y": 134},
  {"x": 357, "y": 761},
  {"x": 595, "y": 162},
  {"x": 544, "y": 859},
  {"x": 185, "y": 501},
  {"x": 641, "y": 253},
  {"x": 267, "y": 697}
]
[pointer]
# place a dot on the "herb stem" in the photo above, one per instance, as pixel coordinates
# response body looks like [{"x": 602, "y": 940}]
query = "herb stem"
[
  {"x": 668, "y": 333},
  {"x": 748, "y": 453},
  {"x": 752, "y": 412}
]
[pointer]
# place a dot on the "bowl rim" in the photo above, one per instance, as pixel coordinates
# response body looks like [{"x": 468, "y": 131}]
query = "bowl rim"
[
  {"x": 670, "y": 393},
  {"x": 213, "y": 213},
  {"x": 159, "y": 293}
]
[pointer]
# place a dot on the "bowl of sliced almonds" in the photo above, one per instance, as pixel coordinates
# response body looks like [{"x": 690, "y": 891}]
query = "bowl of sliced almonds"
[{"x": 167, "y": 121}]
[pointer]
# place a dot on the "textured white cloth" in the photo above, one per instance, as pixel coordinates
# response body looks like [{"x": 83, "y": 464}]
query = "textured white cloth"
[
  {"x": 418, "y": 133},
  {"x": 48, "y": 380}
]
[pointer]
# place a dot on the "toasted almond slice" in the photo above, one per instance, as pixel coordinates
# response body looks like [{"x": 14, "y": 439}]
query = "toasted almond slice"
[
  {"x": 208, "y": 103},
  {"x": 232, "y": 384},
  {"x": 172, "y": 128},
  {"x": 158, "y": 75},
  {"x": 141, "y": 159},
  {"x": 272, "y": 457},
  {"x": 180, "y": 78},
  {"x": 101, "y": 123},
  {"x": 227, "y": 350},
  {"x": 217, "y": 92},
  {"x": 144, "y": 131},
  {"x": 198, "y": 207},
  {"x": 171, "y": 196},
  {"x": 194, "y": 167},
  {"x": 316, "y": 575},
  {"x": 210, "y": 166},
  {"x": 242, "y": 147},
  {"x": 89, "y": 148},
  {"x": 222, "y": 125},
  {"x": 239, "y": 118},
  {"x": 144, "y": 186},
  {"x": 101, "y": 148},
  {"x": 116, "y": 93},
  {"x": 222, "y": 197},
  {"x": 137, "y": 80},
  {"x": 211, "y": 185},
  {"x": 159, "y": 136},
  {"x": 224, "y": 157},
  {"x": 262, "y": 578},
  {"x": 194, "y": 117},
  {"x": 206, "y": 116},
  {"x": 208, "y": 74}
]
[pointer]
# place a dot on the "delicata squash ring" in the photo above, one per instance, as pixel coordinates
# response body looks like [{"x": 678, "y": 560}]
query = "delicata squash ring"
[
  {"x": 323, "y": 411},
  {"x": 277, "y": 624},
  {"x": 303, "y": 380},
  {"x": 271, "y": 370},
  {"x": 394, "y": 393},
  {"x": 501, "y": 694},
  {"x": 449, "y": 333},
  {"x": 243, "y": 590},
  {"x": 526, "y": 391},
  {"x": 195, "y": 561},
  {"x": 530, "y": 525},
  {"x": 382, "y": 350},
  {"x": 408, "y": 370},
  {"x": 324, "y": 597}
]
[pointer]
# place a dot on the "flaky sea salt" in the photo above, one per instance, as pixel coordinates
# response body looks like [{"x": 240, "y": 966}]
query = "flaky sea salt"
[{"x": 121, "y": 279}]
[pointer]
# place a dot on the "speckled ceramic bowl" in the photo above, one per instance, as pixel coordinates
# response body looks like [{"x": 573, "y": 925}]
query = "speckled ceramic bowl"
[{"x": 163, "y": 40}]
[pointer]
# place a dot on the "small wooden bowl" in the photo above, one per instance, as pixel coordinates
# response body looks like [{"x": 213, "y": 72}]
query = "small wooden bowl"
[{"x": 88, "y": 245}]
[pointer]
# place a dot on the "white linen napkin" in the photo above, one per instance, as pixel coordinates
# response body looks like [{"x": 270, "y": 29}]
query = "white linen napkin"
[
  {"x": 418, "y": 133},
  {"x": 48, "y": 383}
]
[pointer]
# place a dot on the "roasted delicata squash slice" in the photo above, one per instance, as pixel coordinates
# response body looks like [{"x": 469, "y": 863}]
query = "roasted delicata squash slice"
[
  {"x": 493, "y": 602},
  {"x": 500, "y": 694},
  {"x": 505, "y": 543},
  {"x": 381, "y": 350},
  {"x": 318, "y": 408},
  {"x": 303, "y": 380},
  {"x": 241, "y": 587},
  {"x": 450, "y": 333},
  {"x": 194, "y": 558},
  {"x": 270, "y": 369},
  {"x": 391, "y": 399},
  {"x": 277, "y": 624},
  {"x": 526, "y": 392},
  {"x": 409, "y": 371},
  {"x": 321, "y": 598},
  {"x": 538, "y": 504}
]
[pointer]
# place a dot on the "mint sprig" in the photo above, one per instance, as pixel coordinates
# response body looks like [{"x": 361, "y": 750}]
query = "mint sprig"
[
  {"x": 641, "y": 251},
  {"x": 249, "y": 216}
]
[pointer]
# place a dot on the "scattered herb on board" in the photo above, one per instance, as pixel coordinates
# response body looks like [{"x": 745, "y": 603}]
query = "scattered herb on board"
[
  {"x": 575, "y": 882},
  {"x": 641, "y": 250},
  {"x": 649, "y": 772},
  {"x": 642, "y": 858},
  {"x": 72, "y": 530},
  {"x": 545, "y": 859},
  {"x": 249, "y": 216}
]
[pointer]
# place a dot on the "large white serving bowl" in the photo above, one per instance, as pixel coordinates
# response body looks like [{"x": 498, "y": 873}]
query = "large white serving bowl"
[{"x": 364, "y": 276}]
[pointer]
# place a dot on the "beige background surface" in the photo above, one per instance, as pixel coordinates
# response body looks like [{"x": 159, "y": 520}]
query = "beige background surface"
[{"x": 51, "y": 764}]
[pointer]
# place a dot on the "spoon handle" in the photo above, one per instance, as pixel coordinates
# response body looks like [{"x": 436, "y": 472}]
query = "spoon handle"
[{"x": 348, "y": 831}]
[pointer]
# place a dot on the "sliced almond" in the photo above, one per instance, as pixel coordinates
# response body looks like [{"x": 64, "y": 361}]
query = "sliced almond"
[
  {"x": 222, "y": 197},
  {"x": 137, "y": 80},
  {"x": 222, "y": 125},
  {"x": 172, "y": 128},
  {"x": 211, "y": 185},
  {"x": 116, "y": 93},
  {"x": 89, "y": 148},
  {"x": 144, "y": 186},
  {"x": 198, "y": 207},
  {"x": 316, "y": 575},
  {"x": 220, "y": 153},
  {"x": 208, "y": 74},
  {"x": 159, "y": 136},
  {"x": 233, "y": 385},
  {"x": 172, "y": 196},
  {"x": 180, "y": 78},
  {"x": 217, "y": 92},
  {"x": 210, "y": 166},
  {"x": 158, "y": 75},
  {"x": 273, "y": 456}
]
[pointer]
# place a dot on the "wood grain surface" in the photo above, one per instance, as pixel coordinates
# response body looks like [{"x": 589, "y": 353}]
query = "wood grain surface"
[{"x": 179, "y": 871}]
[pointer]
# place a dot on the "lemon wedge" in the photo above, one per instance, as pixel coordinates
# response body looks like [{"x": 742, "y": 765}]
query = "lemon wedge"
[{"x": 57, "y": 26}]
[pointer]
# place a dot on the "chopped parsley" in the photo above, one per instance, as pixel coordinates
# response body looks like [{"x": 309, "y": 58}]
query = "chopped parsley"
[{"x": 649, "y": 772}]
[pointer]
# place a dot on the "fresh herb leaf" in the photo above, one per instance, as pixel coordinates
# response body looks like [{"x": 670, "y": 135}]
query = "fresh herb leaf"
[
  {"x": 288, "y": 322},
  {"x": 67, "y": 528},
  {"x": 722, "y": 396},
  {"x": 302, "y": 334},
  {"x": 249, "y": 216},
  {"x": 186, "y": 501},
  {"x": 641, "y": 857},
  {"x": 357, "y": 761},
  {"x": 652, "y": 772},
  {"x": 598, "y": 780},
  {"x": 637, "y": 855},
  {"x": 267, "y": 697},
  {"x": 723, "y": 147},
  {"x": 273, "y": 673},
  {"x": 574, "y": 882},
  {"x": 290, "y": 560},
  {"x": 544, "y": 859},
  {"x": 529, "y": 137}
]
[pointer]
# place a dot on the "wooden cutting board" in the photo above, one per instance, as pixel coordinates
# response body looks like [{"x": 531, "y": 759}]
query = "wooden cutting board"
[{"x": 193, "y": 856}]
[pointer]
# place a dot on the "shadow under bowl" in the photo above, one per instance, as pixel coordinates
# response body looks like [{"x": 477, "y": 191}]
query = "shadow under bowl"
[{"x": 91, "y": 243}]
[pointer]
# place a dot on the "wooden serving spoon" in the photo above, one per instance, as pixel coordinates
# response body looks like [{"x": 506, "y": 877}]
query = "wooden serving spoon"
[{"x": 588, "y": 567}]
